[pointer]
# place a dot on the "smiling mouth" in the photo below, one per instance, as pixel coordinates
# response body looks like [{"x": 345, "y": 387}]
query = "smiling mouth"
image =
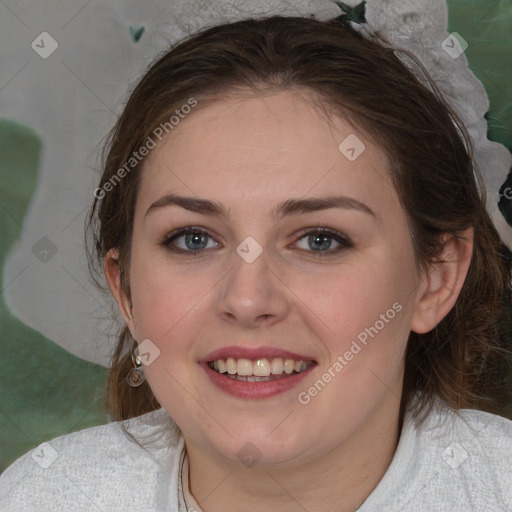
[{"x": 259, "y": 370}]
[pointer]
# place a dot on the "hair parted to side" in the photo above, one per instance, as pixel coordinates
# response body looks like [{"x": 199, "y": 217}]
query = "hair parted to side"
[{"x": 465, "y": 359}]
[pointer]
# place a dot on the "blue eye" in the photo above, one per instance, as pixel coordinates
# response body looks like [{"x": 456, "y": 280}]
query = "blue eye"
[
  {"x": 322, "y": 239},
  {"x": 195, "y": 240}
]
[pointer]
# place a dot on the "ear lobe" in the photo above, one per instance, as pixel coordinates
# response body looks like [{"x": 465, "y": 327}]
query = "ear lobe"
[
  {"x": 113, "y": 276},
  {"x": 441, "y": 286}
]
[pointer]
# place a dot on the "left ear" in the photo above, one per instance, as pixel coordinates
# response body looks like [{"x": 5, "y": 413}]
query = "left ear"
[{"x": 441, "y": 286}]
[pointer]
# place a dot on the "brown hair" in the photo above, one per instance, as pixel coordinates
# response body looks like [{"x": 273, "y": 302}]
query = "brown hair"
[{"x": 464, "y": 359}]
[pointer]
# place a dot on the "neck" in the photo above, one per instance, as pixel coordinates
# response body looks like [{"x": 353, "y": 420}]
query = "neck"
[{"x": 339, "y": 481}]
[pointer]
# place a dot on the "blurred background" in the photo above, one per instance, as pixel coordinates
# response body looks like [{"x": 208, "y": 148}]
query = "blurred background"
[{"x": 65, "y": 68}]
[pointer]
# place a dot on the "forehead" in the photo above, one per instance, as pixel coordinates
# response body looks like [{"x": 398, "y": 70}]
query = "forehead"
[{"x": 276, "y": 145}]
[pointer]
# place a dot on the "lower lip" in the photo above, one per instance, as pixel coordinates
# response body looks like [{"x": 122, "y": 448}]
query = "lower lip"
[{"x": 254, "y": 390}]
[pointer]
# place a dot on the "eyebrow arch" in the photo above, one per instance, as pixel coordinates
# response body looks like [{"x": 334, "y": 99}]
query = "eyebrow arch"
[{"x": 288, "y": 207}]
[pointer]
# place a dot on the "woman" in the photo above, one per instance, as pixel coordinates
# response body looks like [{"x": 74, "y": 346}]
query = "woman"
[{"x": 313, "y": 292}]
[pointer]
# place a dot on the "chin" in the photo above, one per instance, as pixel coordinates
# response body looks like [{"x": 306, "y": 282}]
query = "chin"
[{"x": 264, "y": 444}]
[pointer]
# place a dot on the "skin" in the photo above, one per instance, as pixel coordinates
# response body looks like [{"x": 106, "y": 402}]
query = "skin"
[{"x": 250, "y": 153}]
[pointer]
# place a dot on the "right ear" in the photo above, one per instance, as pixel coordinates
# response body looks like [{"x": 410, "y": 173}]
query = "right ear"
[{"x": 112, "y": 271}]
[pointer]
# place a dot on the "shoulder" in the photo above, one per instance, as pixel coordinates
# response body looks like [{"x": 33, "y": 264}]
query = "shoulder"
[
  {"x": 108, "y": 467},
  {"x": 481, "y": 429},
  {"x": 454, "y": 461},
  {"x": 482, "y": 439},
  {"x": 473, "y": 451},
  {"x": 469, "y": 456}
]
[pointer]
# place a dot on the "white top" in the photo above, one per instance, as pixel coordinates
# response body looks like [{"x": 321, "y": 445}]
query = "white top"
[{"x": 455, "y": 462}]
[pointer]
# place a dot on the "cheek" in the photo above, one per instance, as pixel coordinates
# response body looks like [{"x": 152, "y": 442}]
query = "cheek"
[
  {"x": 359, "y": 297},
  {"x": 167, "y": 305},
  {"x": 368, "y": 311},
  {"x": 160, "y": 294}
]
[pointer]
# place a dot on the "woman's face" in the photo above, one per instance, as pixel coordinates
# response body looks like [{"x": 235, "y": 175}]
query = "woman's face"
[{"x": 261, "y": 290}]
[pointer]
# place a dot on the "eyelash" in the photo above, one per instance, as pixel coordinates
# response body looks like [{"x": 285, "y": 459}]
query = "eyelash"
[{"x": 345, "y": 242}]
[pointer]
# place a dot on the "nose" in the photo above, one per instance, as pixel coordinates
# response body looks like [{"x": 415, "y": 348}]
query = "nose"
[{"x": 253, "y": 294}]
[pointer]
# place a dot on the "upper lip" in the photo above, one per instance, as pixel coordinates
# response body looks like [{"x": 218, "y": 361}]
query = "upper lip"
[{"x": 253, "y": 354}]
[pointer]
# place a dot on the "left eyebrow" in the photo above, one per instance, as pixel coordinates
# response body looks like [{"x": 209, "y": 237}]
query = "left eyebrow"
[{"x": 288, "y": 207}]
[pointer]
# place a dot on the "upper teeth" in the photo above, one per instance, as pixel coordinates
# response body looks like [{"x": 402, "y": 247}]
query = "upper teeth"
[{"x": 261, "y": 367}]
